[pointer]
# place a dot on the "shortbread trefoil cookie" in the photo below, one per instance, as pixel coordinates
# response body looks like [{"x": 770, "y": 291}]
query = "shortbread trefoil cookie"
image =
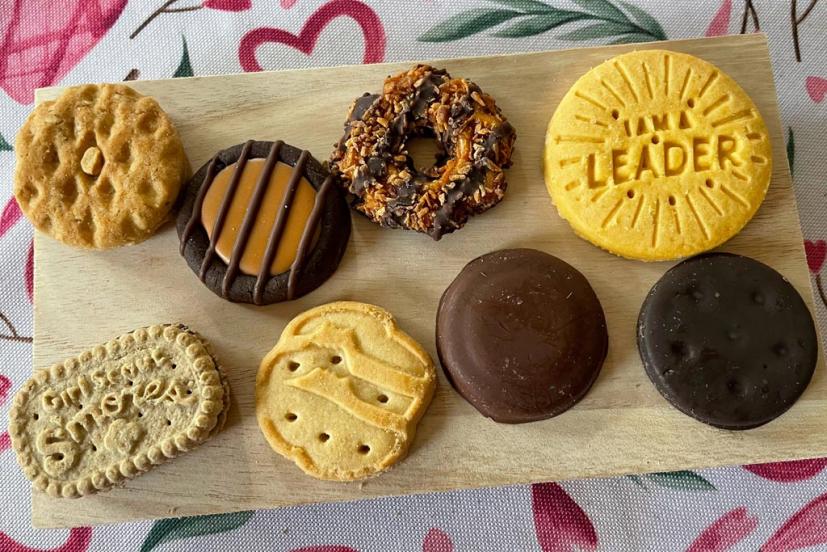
[
  {"x": 342, "y": 391},
  {"x": 99, "y": 167},
  {"x": 116, "y": 410}
]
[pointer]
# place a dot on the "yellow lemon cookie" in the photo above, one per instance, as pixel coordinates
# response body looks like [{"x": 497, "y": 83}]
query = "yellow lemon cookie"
[
  {"x": 342, "y": 391},
  {"x": 99, "y": 167},
  {"x": 656, "y": 155}
]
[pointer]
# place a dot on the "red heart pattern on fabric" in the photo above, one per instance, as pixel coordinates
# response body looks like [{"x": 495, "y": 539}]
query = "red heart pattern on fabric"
[
  {"x": 228, "y": 5},
  {"x": 372, "y": 31},
  {"x": 719, "y": 25},
  {"x": 43, "y": 41},
  {"x": 725, "y": 532},
  {"x": 560, "y": 524},
  {"x": 437, "y": 540},
  {"x": 11, "y": 214},
  {"x": 78, "y": 541},
  {"x": 787, "y": 472},
  {"x": 816, "y": 88},
  {"x": 816, "y": 251}
]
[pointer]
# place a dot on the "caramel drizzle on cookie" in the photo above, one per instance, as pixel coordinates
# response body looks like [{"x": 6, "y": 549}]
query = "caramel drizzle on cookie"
[{"x": 245, "y": 230}]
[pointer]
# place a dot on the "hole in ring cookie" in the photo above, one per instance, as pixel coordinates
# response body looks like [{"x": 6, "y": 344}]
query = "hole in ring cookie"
[
  {"x": 363, "y": 449},
  {"x": 382, "y": 398},
  {"x": 335, "y": 359},
  {"x": 291, "y": 417},
  {"x": 324, "y": 437},
  {"x": 59, "y": 456},
  {"x": 293, "y": 366}
]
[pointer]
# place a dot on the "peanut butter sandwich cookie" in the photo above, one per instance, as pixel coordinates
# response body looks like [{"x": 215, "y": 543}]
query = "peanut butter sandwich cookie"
[
  {"x": 116, "y": 410},
  {"x": 656, "y": 155},
  {"x": 474, "y": 138},
  {"x": 263, "y": 222},
  {"x": 342, "y": 391},
  {"x": 99, "y": 167}
]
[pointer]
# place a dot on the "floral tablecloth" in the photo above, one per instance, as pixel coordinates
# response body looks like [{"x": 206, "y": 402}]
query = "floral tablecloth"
[{"x": 774, "y": 507}]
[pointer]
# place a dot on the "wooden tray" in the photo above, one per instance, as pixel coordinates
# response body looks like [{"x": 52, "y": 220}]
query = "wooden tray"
[{"x": 622, "y": 426}]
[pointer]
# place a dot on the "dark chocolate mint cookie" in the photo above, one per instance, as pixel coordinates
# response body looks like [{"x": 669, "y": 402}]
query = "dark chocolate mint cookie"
[
  {"x": 521, "y": 335},
  {"x": 263, "y": 222},
  {"x": 727, "y": 340}
]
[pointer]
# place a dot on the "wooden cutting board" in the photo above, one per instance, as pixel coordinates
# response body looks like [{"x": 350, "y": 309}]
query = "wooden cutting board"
[{"x": 622, "y": 426}]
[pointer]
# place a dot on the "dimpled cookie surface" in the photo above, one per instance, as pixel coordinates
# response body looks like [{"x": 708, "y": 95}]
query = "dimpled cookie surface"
[
  {"x": 727, "y": 340},
  {"x": 342, "y": 391},
  {"x": 657, "y": 155},
  {"x": 99, "y": 167},
  {"x": 116, "y": 410}
]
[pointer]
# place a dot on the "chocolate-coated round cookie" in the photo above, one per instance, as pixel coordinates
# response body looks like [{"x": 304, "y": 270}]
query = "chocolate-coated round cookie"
[
  {"x": 263, "y": 222},
  {"x": 727, "y": 340},
  {"x": 521, "y": 335}
]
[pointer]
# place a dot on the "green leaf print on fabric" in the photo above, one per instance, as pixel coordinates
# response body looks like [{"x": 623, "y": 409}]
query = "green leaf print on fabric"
[
  {"x": 683, "y": 480},
  {"x": 531, "y": 17},
  {"x": 598, "y": 30},
  {"x": 537, "y": 24},
  {"x": 791, "y": 150},
  {"x": 5, "y": 146},
  {"x": 185, "y": 67},
  {"x": 467, "y": 23},
  {"x": 645, "y": 21},
  {"x": 166, "y": 530},
  {"x": 603, "y": 9}
]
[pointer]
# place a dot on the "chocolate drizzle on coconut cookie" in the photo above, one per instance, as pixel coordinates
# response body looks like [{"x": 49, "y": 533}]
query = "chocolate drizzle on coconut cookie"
[{"x": 475, "y": 142}]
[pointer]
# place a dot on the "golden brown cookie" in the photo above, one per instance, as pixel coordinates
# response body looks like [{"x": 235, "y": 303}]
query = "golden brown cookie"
[
  {"x": 116, "y": 410},
  {"x": 225, "y": 401},
  {"x": 342, "y": 391},
  {"x": 657, "y": 155},
  {"x": 99, "y": 167}
]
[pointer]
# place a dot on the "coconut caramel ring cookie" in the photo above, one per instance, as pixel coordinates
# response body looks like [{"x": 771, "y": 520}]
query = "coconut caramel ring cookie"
[
  {"x": 656, "y": 155},
  {"x": 100, "y": 166},
  {"x": 263, "y": 222},
  {"x": 373, "y": 164}
]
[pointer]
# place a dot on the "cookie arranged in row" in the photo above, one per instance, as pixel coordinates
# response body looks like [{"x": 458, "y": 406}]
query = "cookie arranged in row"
[
  {"x": 263, "y": 222},
  {"x": 114, "y": 411},
  {"x": 657, "y": 155},
  {"x": 101, "y": 166},
  {"x": 652, "y": 155},
  {"x": 342, "y": 391}
]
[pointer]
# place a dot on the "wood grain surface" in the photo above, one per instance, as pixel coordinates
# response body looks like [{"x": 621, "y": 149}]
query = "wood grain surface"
[{"x": 622, "y": 426}]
